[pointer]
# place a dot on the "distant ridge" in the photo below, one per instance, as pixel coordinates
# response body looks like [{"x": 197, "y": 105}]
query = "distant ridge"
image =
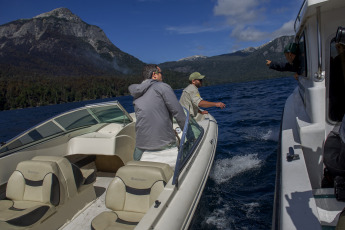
[
  {"x": 243, "y": 65},
  {"x": 193, "y": 58}
]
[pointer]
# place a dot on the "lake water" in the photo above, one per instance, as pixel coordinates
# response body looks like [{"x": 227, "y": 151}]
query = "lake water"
[{"x": 240, "y": 191}]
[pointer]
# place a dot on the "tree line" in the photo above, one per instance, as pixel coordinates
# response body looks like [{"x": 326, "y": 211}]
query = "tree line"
[{"x": 32, "y": 91}]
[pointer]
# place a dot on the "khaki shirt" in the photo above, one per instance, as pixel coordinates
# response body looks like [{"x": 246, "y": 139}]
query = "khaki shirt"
[{"x": 190, "y": 99}]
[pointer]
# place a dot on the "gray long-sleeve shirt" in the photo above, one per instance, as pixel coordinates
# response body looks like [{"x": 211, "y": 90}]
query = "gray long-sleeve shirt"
[{"x": 155, "y": 104}]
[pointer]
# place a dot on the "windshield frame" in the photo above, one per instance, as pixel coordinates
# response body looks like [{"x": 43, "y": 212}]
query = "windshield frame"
[{"x": 181, "y": 161}]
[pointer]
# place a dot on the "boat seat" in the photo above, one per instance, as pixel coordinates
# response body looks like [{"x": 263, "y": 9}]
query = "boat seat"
[
  {"x": 167, "y": 170},
  {"x": 33, "y": 192},
  {"x": 130, "y": 195},
  {"x": 81, "y": 176}
]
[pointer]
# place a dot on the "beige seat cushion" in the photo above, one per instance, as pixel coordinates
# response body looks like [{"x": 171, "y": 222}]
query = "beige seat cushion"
[
  {"x": 33, "y": 190},
  {"x": 130, "y": 195},
  {"x": 113, "y": 220},
  {"x": 167, "y": 170}
]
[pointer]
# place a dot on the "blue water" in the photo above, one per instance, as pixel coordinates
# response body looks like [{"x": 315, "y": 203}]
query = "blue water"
[{"x": 239, "y": 193}]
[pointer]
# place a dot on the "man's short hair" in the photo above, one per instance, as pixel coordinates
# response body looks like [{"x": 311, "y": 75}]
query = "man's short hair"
[{"x": 148, "y": 71}]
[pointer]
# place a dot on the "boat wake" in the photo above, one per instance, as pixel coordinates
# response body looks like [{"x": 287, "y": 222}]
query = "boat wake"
[
  {"x": 219, "y": 218},
  {"x": 258, "y": 133},
  {"x": 225, "y": 218},
  {"x": 225, "y": 169}
]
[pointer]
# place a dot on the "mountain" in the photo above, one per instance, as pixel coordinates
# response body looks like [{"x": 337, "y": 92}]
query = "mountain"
[
  {"x": 59, "y": 43},
  {"x": 243, "y": 65}
]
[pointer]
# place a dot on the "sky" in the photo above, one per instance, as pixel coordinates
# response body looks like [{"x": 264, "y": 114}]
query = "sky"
[{"x": 157, "y": 31}]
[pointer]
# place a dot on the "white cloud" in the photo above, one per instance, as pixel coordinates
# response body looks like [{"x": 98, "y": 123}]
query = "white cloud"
[
  {"x": 242, "y": 18},
  {"x": 244, "y": 15},
  {"x": 239, "y": 12},
  {"x": 248, "y": 34},
  {"x": 286, "y": 29}
]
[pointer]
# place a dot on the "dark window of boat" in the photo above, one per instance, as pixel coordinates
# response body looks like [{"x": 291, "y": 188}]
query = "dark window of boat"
[
  {"x": 110, "y": 114},
  {"x": 302, "y": 57},
  {"x": 336, "y": 84},
  {"x": 43, "y": 131},
  {"x": 191, "y": 140},
  {"x": 76, "y": 119}
]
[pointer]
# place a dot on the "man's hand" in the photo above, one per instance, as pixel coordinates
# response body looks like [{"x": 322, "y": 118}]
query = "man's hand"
[
  {"x": 268, "y": 62},
  {"x": 220, "y": 105},
  {"x": 296, "y": 76}
]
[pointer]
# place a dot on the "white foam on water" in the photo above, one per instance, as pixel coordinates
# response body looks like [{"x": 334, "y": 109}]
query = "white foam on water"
[
  {"x": 272, "y": 134},
  {"x": 262, "y": 134},
  {"x": 226, "y": 169},
  {"x": 250, "y": 208},
  {"x": 267, "y": 136},
  {"x": 219, "y": 218}
]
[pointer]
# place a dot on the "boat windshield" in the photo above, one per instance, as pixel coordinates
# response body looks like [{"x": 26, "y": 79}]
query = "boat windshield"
[
  {"x": 191, "y": 136},
  {"x": 88, "y": 116}
]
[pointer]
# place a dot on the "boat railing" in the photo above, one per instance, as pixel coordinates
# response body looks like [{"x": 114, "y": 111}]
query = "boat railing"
[
  {"x": 319, "y": 75},
  {"x": 298, "y": 18}
]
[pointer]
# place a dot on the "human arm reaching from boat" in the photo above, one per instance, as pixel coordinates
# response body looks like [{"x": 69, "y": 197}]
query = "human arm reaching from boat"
[{"x": 292, "y": 65}]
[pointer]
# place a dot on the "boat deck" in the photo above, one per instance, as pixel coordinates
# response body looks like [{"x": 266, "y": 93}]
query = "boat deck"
[{"x": 84, "y": 217}]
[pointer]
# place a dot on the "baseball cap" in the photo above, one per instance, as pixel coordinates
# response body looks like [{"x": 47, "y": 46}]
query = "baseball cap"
[
  {"x": 196, "y": 76},
  {"x": 291, "y": 48}
]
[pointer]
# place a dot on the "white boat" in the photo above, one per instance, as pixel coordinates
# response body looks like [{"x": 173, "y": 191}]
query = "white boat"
[
  {"x": 76, "y": 171},
  {"x": 310, "y": 114}
]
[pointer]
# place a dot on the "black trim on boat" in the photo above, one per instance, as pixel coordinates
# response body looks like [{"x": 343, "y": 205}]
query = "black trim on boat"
[
  {"x": 121, "y": 221},
  {"x": 55, "y": 191},
  {"x": 85, "y": 161},
  {"x": 33, "y": 183},
  {"x": 136, "y": 191},
  {"x": 29, "y": 218},
  {"x": 16, "y": 209}
]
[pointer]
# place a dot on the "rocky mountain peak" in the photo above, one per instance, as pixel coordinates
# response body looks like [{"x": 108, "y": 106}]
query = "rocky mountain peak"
[
  {"x": 60, "y": 43},
  {"x": 249, "y": 50},
  {"x": 193, "y": 58},
  {"x": 60, "y": 13}
]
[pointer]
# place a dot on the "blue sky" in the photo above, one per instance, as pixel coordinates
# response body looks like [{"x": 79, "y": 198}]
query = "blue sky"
[{"x": 157, "y": 31}]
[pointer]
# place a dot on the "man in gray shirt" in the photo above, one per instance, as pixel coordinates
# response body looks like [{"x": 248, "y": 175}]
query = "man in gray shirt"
[
  {"x": 155, "y": 105},
  {"x": 191, "y": 99}
]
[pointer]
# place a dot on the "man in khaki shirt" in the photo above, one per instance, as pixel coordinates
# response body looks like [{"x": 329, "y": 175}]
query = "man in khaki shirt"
[{"x": 191, "y": 100}]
